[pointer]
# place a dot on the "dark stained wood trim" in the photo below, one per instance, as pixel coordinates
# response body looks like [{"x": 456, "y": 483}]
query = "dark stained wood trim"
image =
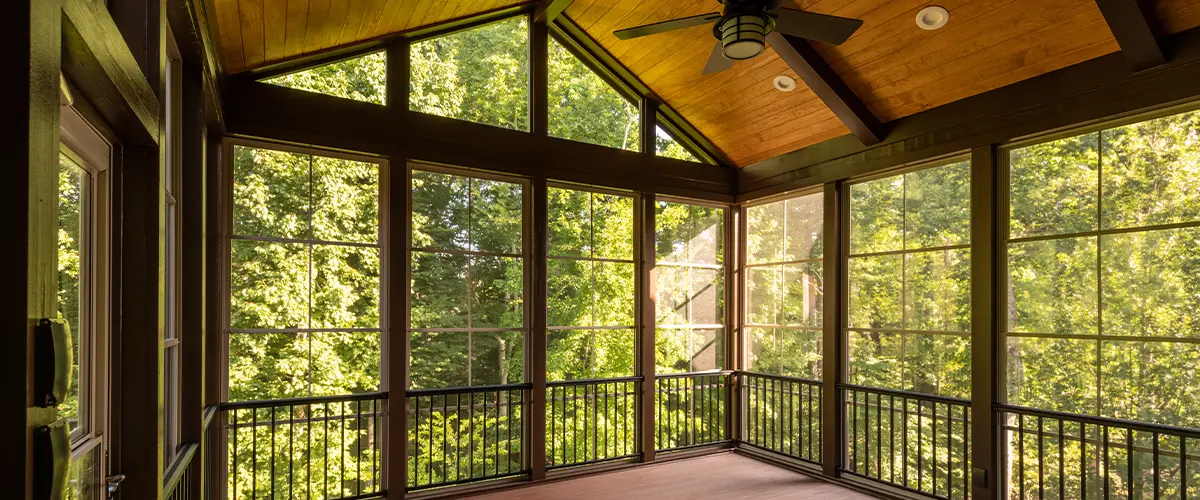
[
  {"x": 193, "y": 260},
  {"x": 594, "y": 52},
  {"x": 215, "y": 250},
  {"x": 397, "y": 234},
  {"x": 1088, "y": 92},
  {"x": 189, "y": 23},
  {"x": 645, "y": 226},
  {"x": 833, "y": 341},
  {"x": 104, "y": 69},
  {"x": 539, "y": 78},
  {"x": 143, "y": 25},
  {"x": 1133, "y": 25},
  {"x": 399, "y": 67},
  {"x": 648, "y": 120},
  {"x": 282, "y": 114},
  {"x": 735, "y": 315},
  {"x": 808, "y": 64},
  {"x": 537, "y": 330},
  {"x": 986, "y": 452},
  {"x": 548, "y": 10},
  {"x": 31, "y": 35}
]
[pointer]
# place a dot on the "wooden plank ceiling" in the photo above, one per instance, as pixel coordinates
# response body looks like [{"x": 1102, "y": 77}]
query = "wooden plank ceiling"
[{"x": 894, "y": 67}]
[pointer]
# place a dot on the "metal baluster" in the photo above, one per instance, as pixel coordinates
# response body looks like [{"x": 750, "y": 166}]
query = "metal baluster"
[
  {"x": 1021, "y": 454},
  {"x": 1129, "y": 462},
  {"x": 1082, "y": 460},
  {"x": 1154, "y": 451},
  {"x": 271, "y": 477},
  {"x": 1041, "y": 461},
  {"x": 1104, "y": 445}
]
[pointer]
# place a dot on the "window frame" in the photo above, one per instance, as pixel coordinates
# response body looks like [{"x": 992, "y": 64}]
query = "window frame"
[
  {"x": 746, "y": 268},
  {"x": 1005, "y": 240},
  {"x": 634, "y": 259},
  {"x": 847, "y": 255},
  {"x": 526, "y": 257},
  {"x": 228, "y": 236}
]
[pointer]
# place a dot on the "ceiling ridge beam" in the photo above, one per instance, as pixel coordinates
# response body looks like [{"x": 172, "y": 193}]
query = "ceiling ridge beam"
[
  {"x": 548, "y": 10},
  {"x": 828, "y": 86},
  {"x": 1133, "y": 25}
]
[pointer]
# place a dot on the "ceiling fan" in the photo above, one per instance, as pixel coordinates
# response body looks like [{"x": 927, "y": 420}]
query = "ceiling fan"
[{"x": 742, "y": 27}]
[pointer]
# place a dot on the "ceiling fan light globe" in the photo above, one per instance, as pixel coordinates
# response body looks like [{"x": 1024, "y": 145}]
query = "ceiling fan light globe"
[{"x": 743, "y": 36}]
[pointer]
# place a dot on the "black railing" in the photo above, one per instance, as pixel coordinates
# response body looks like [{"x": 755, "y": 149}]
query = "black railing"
[
  {"x": 318, "y": 447},
  {"x": 1063, "y": 455},
  {"x": 916, "y": 442},
  {"x": 181, "y": 477},
  {"x": 691, "y": 409},
  {"x": 590, "y": 421},
  {"x": 466, "y": 434},
  {"x": 783, "y": 415},
  {"x": 208, "y": 455}
]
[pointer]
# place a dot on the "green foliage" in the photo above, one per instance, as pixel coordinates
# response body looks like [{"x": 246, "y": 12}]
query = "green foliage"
[
  {"x": 479, "y": 75},
  {"x": 690, "y": 288},
  {"x": 583, "y": 107},
  {"x": 73, "y": 258},
  {"x": 362, "y": 78}
]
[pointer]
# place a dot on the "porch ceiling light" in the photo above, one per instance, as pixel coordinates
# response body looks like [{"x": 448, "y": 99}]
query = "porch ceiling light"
[{"x": 743, "y": 35}]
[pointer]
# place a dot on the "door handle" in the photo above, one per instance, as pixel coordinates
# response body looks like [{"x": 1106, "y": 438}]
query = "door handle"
[{"x": 113, "y": 482}]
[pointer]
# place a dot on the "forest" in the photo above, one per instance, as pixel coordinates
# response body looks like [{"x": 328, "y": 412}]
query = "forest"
[{"x": 1102, "y": 285}]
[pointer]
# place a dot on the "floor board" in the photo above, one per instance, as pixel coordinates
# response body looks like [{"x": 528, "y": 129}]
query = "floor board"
[{"x": 726, "y": 476}]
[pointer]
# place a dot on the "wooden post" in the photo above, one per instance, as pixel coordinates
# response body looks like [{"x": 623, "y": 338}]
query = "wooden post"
[
  {"x": 192, "y": 262},
  {"x": 536, "y": 356},
  {"x": 645, "y": 227},
  {"x": 985, "y": 327},
  {"x": 397, "y": 237},
  {"x": 735, "y": 271},
  {"x": 539, "y": 78},
  {"x": 32, "y": 39},
  {"x": 214, "y": 340},
  {"x": 399, "y": 66},
  {"x": 833, "y": 341},
  {"x": 648, "y": 114}
]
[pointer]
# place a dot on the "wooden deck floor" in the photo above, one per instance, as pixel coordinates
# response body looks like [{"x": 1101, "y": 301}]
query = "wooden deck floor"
[{"x": 726, "y": 476}]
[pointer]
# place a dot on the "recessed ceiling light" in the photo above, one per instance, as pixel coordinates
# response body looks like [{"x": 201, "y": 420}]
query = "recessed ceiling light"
[
  {"x": 785, "y": 83},
  {"x": 931, "y": 18}
]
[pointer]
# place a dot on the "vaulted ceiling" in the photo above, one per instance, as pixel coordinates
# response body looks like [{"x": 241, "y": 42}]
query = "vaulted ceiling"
[{"x": 895, "y": 68}]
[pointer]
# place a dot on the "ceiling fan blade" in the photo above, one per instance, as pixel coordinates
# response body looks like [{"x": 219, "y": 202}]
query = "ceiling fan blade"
[
  {"x": 717, "y": 61},
  {"x": 820, "y": 27},
  {"x": 674, "y": 24}
]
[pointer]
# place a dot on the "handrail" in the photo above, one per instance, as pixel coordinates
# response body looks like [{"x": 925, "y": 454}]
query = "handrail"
[
  {"x": 209, "y": 414},
  {"x": 1101, "y": 421},
  {"x": 908, "y": 394},
  {"x": 467, "y": 390},
  {"x": 590, "y": 381},
  {"x": 179, "y": 466},
  {"x": 694, "y": 374},
  {"x": 268, "y": 403},
  {"x": 786, "y": 378}
]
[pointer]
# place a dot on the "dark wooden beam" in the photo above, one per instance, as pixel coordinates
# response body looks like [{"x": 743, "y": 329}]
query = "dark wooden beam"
[
  {"x": 395, "y": 361},
  {"x": 1133, "y": 25},
  {"x": 539, "y": 78},
  {"x": 104, "y": 69},
  {"x": 548, "y": 10},
  {"x": 31, "y": 37},
  {"x": 193, "y": 261},
  {"x": 646, "y": 323},
  {"x": 536, "y": 361},
  {"x": 986, "y": 389},
  {"x": 833, "y": 340},
  {"x": 648, "y": 116},
  {"x": 1088, "y": 92},
  {"x": 272, "y": 112},
  {"x": 829, "y": 87}
]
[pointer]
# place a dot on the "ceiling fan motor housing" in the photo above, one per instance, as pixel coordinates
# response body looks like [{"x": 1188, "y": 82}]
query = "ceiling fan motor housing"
[{"x": 743, "y": 28}]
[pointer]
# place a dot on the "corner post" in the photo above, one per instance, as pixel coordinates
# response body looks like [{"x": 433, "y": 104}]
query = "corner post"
[
  {"x": 644, "y": 227},
  {"x": 985, "y": 385},
  {"x": 397, "y": 241},
  {"x": 833, "y": 367},
  {"x": 735, "y": 223},
  {"x": 537, "y": 332},
  {"x": 193, "y": 262}
]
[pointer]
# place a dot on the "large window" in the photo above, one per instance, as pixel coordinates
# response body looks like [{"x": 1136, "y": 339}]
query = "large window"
[
  {"x": 909, "y": 281},
  {"x": 1104, "y": 273},
  {"x": 584, "y": 107},
  {"x": 480, "y": 74},
  {"x": 304, "y": 314},
  {"x": 690, "y": 287},
  {"x": 361, "y": 78},
  {"x": 591, "y": 270},
  {"x": 784, "y": 286},
  {"x": 467, "y": 316}
]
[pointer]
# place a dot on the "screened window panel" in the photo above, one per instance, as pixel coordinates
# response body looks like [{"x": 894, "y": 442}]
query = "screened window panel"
[
  {"x": 689, "y": 289},
  {"x": 361, "y": 78},
  {"x": 1128, "y": 283},
  {"x": 305, "y": 267},
  {"x": 909, "y": 281},
  {"x": 584, "y": 107},
  {"x": 480, "y": 74}
]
